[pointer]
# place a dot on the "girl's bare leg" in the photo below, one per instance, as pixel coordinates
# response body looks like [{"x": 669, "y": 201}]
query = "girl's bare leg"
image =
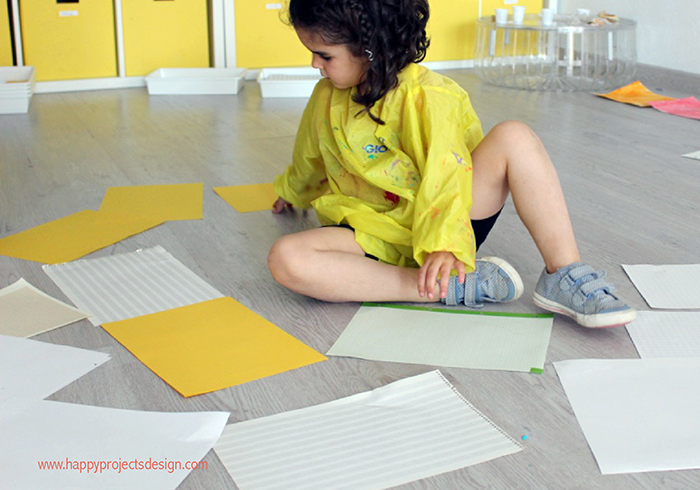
[
  {"x": 512, "y": 158},
  {"x": 328, "y": 264}
]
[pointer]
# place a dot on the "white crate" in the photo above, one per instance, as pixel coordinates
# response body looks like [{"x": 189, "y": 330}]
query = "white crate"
[
  {"x": 288, "y": 82},
  {"x": 14, "y": 92},
  {"x": 195, "y": 81},
  {"x": 17, "y": 75},
  {"x": 16, "y": 88},
  {"x": 15, "y": 105}
]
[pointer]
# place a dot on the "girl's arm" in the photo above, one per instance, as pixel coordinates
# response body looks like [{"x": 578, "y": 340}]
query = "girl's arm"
[
  {"x": 441, "y": 221},
  {"x": 442, "y": 233},
  {"x": 305, "y": 179}
]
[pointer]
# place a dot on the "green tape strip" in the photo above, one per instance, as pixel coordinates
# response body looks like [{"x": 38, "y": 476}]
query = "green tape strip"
[
  {"x": 461, "y": 312},
  {"x": 536, "y": 370}
]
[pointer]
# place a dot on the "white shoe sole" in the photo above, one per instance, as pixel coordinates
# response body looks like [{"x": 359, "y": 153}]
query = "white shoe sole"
[
  {"x": 602, "y": 320},
  {"x": 512, "y": 274}
]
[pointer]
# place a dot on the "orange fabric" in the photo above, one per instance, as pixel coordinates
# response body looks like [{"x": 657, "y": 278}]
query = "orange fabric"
[{"x": 636, "y": 94}]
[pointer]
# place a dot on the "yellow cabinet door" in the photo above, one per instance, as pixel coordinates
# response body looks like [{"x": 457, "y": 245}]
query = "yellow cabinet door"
[
  {"x": 69, "y": 40},
  {"x": 263, "y": 37},
  {"x": 165, "y": 34},
  {"x": 488, "y": 7},
  {"x": 5, "y": 37},
  {"x": 452, "y": 29}
]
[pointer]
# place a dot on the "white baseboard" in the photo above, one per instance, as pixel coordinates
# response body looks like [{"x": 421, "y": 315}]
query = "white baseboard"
[{"x": 448, "y": 65}]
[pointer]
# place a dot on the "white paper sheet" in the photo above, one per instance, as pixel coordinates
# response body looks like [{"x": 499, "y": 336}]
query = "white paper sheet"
[
  {"x": 637, "y": 414},
  {"x": 695, "y": 155},
  {"x": 128, "y": 285},
  {"x": 410, "y": 429},
  {"x": 34, "y": 370},
  {"x": 26, "y": 311},
  {"x": 454, "y": 338},
  {"x": 667, "y": 286},
  {"x": 76, "y": 435},
  {"x": 666, "y": 334}
]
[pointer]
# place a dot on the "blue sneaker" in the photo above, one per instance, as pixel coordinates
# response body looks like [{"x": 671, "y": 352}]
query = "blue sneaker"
[
  {"x": 493, "y": 281},
  {"x": 580, "y": 292}
]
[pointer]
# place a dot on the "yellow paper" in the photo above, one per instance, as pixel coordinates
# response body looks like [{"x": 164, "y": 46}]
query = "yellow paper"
[
  {"x": 636, "y": 94},
  {"x": 74, "y": 236},
  {"x": 211, "y": 345},
  {"x": 247, "y": 198},
  {"x": 166, "y": 202}
]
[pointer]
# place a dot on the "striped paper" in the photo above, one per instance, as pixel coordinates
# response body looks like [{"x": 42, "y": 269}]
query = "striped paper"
[
  {"x": 408, "y": 430},
  {"x": 128, "y": 285}
]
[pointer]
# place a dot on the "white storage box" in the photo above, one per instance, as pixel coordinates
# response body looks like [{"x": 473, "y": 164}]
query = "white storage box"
[
  {"x": 18, "y": 75},
  {"x": 288, "y": 82},
  {"x": 192, "y": 81},
  {"x": 16, "y": 88},
  {"x": 15, "y": 105}
]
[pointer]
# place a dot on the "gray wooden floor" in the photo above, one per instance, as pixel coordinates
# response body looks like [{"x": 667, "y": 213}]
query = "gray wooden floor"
[{"x": 632, "y": 197}]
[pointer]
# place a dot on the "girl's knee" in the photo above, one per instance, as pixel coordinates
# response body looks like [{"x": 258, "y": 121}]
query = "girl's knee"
[
  {"x": 280, "y": 259},
  {"x": 512, "y": 129}
]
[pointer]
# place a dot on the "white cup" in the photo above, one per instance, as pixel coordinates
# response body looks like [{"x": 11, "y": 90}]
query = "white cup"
[
  {"x": 501, "y": 16},
  {"x": 547, "y": 17},
  {"x": 518, "y": 14},
  {"x": 583, "y": 12},
  {"x": 552, "y": 5}
]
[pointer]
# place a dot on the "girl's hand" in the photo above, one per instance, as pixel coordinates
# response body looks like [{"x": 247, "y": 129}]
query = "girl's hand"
[
  {"x": 280, "y": 205},
  {"x": 438, "y": 264}
]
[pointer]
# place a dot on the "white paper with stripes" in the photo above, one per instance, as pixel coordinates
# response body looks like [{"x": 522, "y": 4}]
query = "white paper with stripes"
[
  {"x": 128, "y": 285},
  {"x": 408, "y": 430}
]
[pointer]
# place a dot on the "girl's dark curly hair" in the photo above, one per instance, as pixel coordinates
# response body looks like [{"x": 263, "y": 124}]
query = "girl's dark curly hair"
[{"x": 392, "y": 30}]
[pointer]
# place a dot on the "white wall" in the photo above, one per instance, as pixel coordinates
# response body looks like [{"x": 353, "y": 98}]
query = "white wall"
[{"x": 668, "y": 31}]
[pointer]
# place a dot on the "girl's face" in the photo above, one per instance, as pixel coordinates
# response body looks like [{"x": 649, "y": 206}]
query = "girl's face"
[{"x": 335, "y": 61}]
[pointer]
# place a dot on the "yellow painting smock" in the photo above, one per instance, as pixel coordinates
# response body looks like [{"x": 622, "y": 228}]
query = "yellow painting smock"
[{"x": 406, "y": 186}]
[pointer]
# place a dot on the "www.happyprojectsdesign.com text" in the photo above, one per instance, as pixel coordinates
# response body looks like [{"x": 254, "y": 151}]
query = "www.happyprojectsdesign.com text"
[{"x": 122, "y": 465}]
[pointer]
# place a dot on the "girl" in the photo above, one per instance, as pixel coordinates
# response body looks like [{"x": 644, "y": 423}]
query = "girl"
[{"x": 393, "y": 155}]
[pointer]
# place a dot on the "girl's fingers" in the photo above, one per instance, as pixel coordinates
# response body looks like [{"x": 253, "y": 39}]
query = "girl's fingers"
[
  {"x": 445, "y": 276},
  {"x": 431, "y": 279},
  {"x": 421, "y": 281},
  {"x": 280, "y": 205},
  {"x": 438, "y": 264},
  {"x": 461, "y": 273}
]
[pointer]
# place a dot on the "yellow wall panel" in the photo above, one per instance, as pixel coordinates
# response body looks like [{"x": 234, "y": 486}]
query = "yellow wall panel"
[
  {"x": 488, "y": 7},
  {"x": 165, "y": 34},
  {"x": 452, "y": 29},
  {"x": 5, "y": 37},
  {"x": 263, "y": 39},
  {"x": 69, "y": 40}
]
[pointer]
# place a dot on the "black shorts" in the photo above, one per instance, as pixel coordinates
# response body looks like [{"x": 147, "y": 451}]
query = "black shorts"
[{"x": 481, "y": 227}]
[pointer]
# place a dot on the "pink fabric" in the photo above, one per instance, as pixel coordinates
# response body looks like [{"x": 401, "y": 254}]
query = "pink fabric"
[{"x": 688, "y": 107}]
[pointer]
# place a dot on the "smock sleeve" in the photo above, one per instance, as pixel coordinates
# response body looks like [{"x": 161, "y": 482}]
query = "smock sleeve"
[
  {"x": 305, "y": 179},
  {"x": 447, "y": 129}
]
